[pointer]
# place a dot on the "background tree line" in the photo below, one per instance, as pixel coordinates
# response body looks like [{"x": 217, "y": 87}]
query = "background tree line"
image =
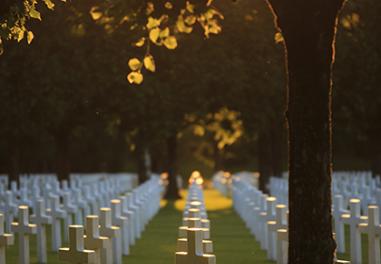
[{"x": 66, "y": 105}]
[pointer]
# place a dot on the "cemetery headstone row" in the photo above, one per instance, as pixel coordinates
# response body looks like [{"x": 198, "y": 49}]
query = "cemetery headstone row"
[
  {"x": 194, "y": 244},
  {"x": 267, "y": 220},
  {"x": 114, "y": 215}
]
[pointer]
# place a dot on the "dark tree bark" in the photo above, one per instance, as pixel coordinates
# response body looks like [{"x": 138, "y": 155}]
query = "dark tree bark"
[
  {"x": 218, "y": 157},
  {"x": 277, "y": 142},
  {"x": 264, "y": 160},
  {"x": 309, "y": 29},
  {"x": 63, "y": 156},
  {"x": 141, "y": 151},
  {"x": 14, "y": 163},
  {"x": 172, "y": 191}
]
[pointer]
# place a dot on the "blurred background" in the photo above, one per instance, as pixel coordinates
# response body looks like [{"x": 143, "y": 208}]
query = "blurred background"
[{"x": 217, "y": 104}]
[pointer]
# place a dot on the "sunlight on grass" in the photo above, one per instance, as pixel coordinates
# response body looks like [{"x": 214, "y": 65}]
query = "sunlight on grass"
[{"x": 214, "y": 201}]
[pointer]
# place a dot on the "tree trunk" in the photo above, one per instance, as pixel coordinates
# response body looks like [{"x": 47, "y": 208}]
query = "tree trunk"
[
  {"x": 14, "y": 163},
  {"x": 218, "y": 157},
  {"x": 63, "y": 156},
  {"x": 376, "y": 164},
  {"x": 172, "y": 191},
  {"x": 277, "y": 148},
  {"x": 143, "y": 160},
  {"x": 264, "y": 161},
  {"x": 309, "y": 29}
]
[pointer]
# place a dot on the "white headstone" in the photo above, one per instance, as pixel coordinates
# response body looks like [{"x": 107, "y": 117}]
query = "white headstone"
[
  {"x": 122, "y": 223},
  {"x": 279, "y": 223},
  {"x": 5, "y": 240},
  {"x": 76, "y": 253},
  {"x": 353, "y": 219},
  {"x": 338, "y": 210},
  {"x": 23, "y": 230},
  {"x": 57, "y": 214},
  {"x": 10, "y": 210},
  {"x": 113, "y": 232},
  {"x": 373, "y": 229},
  {"x": 41, "y": 220},
  {"x": 93, "y": 240},
  {"x": 194, "y": 253}
]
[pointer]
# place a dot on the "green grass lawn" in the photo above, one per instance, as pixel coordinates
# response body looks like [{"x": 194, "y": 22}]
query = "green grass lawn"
[{"x": 232, "y": 240}]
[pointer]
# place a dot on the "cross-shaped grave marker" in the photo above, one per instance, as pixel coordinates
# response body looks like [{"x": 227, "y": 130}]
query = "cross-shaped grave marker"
[
  {"x": 41, "y": 220},
  {"x": 76, "y": 253},
  {"x": 92, "y": 239},
  {"x": 354, "y": 218},
  {"x": 122, "y": 223},
  {"x": 282, "y": 245},
  {"x": 131, "y": 218},
  {"x": 10, "y": 210},
  {"x": 23, "y": 229},
  {"x": 5, "y": 240},
  {"x": 194, "y": 252},
  {"x": 338, "y": 211},
  {"x": 373, "y": 230},
  {"x": 279, "y": 223},
  {"x": 57, "y": 214},
  {"x": 71, "y": 210},
  {"x": 112, "y": 232}
]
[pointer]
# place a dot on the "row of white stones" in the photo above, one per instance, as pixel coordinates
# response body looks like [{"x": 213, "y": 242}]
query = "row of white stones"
[
  {"x": 194, "y": 244},
  {"x": 360, "y": 185},
  {"x": 267, "y": 219},
  {"x": 78, "y": 198},
  {"x": 109, "y": 232}
]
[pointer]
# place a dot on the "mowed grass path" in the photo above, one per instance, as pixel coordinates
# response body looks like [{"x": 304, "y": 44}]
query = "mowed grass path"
[{"x": 232, "y": 241}]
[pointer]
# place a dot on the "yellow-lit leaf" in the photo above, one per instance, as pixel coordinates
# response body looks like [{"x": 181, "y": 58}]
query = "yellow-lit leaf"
[
  {"x": 355, "y": 19},
  {"x": 170, "y": 42},
  {"x": 49, "y": 4},
  {"x": 164, "y": 33},
  {"x": 152, "y": 23},
  {"x": 95, "y": 13},
  {"x": 190, "y": 20},
  {"x": 278, "y": 37},
  {"x": 33, "y": 13},
  {"x": 190, "y": 7},
  {"x": 135, "y": 77},
  {"x": 214, "y": 28},
  {"x": 30, "y": 37},
  {"x": 20, "y": 35},
  {"x": 150, "y": 8},
  {"x": 149, "y": 63},
  {"x": 168, "y": 5},
  {"x": 134, "y": 64},
  {"x": 154, "y": 34},
  {"x": 140, "y": 42},
  {"x": 182, "y": 27},
  {"x": 1, "y": 46}
]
